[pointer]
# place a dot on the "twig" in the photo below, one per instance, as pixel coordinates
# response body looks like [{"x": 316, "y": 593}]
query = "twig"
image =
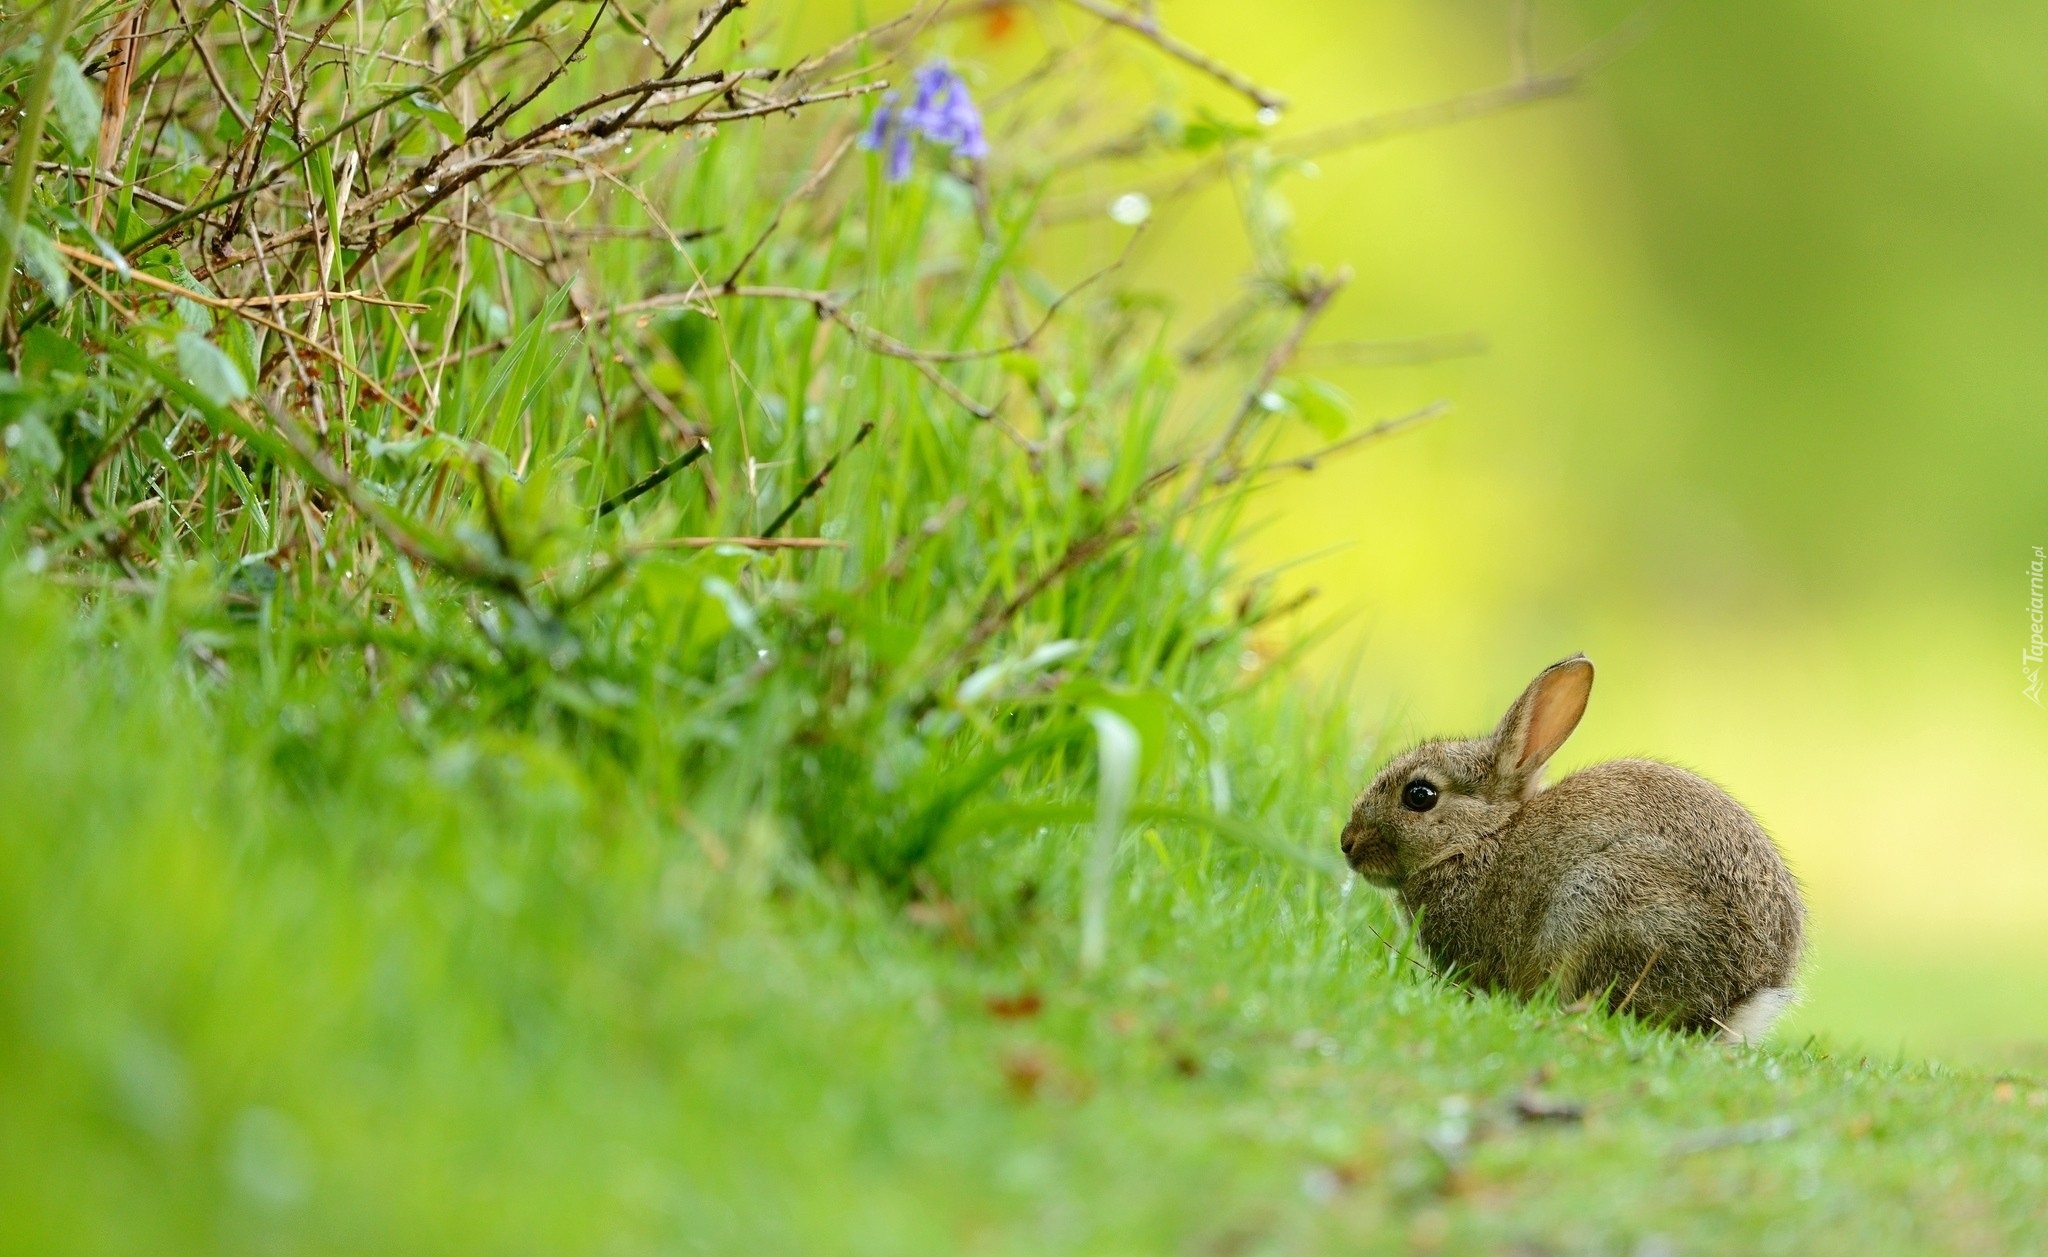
[
  {"x": 1309, "y": 461},
  {"x": 113, "y": 302},
  {"x": 206, "y": 62},
  {"x": 1312, "y": 301},
  {"x": 435, "y": 181},
  {"x": 295, "y": 298},
  {"x": 1637, "y": 984},
  {"x": 940, "y": 520},
  {"x": 1079, "y": 552},
  {"x": 1423, "y": 968},
  {"x": 706, "y": 24},
  {"x": 817, "y": 482},
  {"x": 81, "y": 490},
  {"x": 222, "y": 303},
  {"x": 786, "y": 104},
  {"x": 398, "y": 533},
  {"x": 1398, "y": 351},
  {"x": 677, "y": 420},
  {"x": 804, "y": 192},
  {"x": 1145, "y": 28},
  {"x": 1374, "y": 128},
  {"x": 654, "y": 480},
  {"x": 1524, "y": 89},
  {"x": 113, "y": 181},
  {"x": 496, "y": 116},
  {"x": 829, "y": 304}
]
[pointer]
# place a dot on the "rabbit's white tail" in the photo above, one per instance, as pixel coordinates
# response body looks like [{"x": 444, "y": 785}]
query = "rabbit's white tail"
[{"x": 1750, "y": 1020}]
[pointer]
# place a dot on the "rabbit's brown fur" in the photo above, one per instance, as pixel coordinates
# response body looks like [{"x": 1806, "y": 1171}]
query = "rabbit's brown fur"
[{"x": 1633, "y": 880}]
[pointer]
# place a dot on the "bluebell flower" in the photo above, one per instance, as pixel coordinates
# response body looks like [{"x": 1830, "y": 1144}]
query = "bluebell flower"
[{"x": 942, "y": 111}]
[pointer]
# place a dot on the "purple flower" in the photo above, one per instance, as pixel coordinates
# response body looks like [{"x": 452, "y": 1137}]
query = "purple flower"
[{"x": 942, "y": 112}]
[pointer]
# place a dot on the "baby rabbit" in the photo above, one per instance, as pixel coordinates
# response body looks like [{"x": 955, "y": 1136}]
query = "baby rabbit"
[{"x": 1631, "y": 880}]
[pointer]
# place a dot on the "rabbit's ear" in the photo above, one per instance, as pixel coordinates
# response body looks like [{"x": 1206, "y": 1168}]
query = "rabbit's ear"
[{"x": 1542, "y": 718}]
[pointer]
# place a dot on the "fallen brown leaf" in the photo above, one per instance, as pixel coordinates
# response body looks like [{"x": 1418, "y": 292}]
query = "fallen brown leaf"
[{"x": 1026, "y": 1003}]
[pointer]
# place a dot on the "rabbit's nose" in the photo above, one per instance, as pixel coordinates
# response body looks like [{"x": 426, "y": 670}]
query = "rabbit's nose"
[{"x": 1348, "y": 839}]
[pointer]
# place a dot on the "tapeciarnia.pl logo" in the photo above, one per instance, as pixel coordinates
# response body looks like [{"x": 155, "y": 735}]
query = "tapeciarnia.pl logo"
[{"x": 2030, "y": 658}]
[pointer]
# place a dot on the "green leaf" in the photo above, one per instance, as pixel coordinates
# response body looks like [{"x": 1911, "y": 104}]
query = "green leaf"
[
  {"x": 29, "y": 439},
  {"x": 76, "y": 105},
  {"x": 209, "y": 370},
  {"x": 429, "y": 449},
  {"x": 994, "y": 677},
  {"x": 489, "y": 315},
  {"x": 1025, "y": 367},
  {"x": 1212, "y": 130},
  {"x": 42, "y": 262},
  {"x": 217, "y": 416},
  {"x": 1321, "y": 404},
  {"x": 45, "y": 353},
  {"x": 1116, "y": 754},
  {"x": 687, "y": 334},
  {"x": 239, "y": 340},
  {"x": 435, "y": 116},
  {"x": 530, "y": 15},
  {"x": 738, "y": 615},
  {"x": 1150, "y": 713},
  {"x": 164, "y": 263},
  {"x": 65, "y": 218}
]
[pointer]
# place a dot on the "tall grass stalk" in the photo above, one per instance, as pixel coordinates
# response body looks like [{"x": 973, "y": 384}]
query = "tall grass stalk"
[{"x": 28, "y": 143}]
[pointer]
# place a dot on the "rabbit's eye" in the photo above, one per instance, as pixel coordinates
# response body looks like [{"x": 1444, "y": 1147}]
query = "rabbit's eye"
[{"x": 1418, "y": 796}]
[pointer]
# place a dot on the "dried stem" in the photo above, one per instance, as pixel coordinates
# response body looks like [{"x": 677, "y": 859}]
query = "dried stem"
[
  {"x": 1146, "y": 27},
  {"x": 1310, "y": 461},
  {"x": 817, "y": 481}
]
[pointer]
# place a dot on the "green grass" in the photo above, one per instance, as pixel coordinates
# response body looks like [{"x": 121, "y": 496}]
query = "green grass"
[
  {"x": 468, "y": 998},
  {"x": 415, "y": 841}
]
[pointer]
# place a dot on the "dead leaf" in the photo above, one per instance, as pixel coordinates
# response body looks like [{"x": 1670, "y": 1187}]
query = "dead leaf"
[{"x": 1026, "y": 1003}]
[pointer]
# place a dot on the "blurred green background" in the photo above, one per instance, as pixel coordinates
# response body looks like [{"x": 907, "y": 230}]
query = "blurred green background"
[{"x": 1759, "y": 428}]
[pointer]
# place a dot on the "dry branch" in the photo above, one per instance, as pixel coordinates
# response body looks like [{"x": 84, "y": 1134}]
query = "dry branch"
[{"x": 1146, "y": 27}]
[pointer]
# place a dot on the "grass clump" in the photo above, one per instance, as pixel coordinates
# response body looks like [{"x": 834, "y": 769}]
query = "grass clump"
[
  {"x": 548, "y": 372},
  {"x": 589, "y": 670}
]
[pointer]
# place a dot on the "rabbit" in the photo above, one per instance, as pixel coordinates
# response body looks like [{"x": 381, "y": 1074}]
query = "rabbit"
[{"x": 1631, "y": 881}]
